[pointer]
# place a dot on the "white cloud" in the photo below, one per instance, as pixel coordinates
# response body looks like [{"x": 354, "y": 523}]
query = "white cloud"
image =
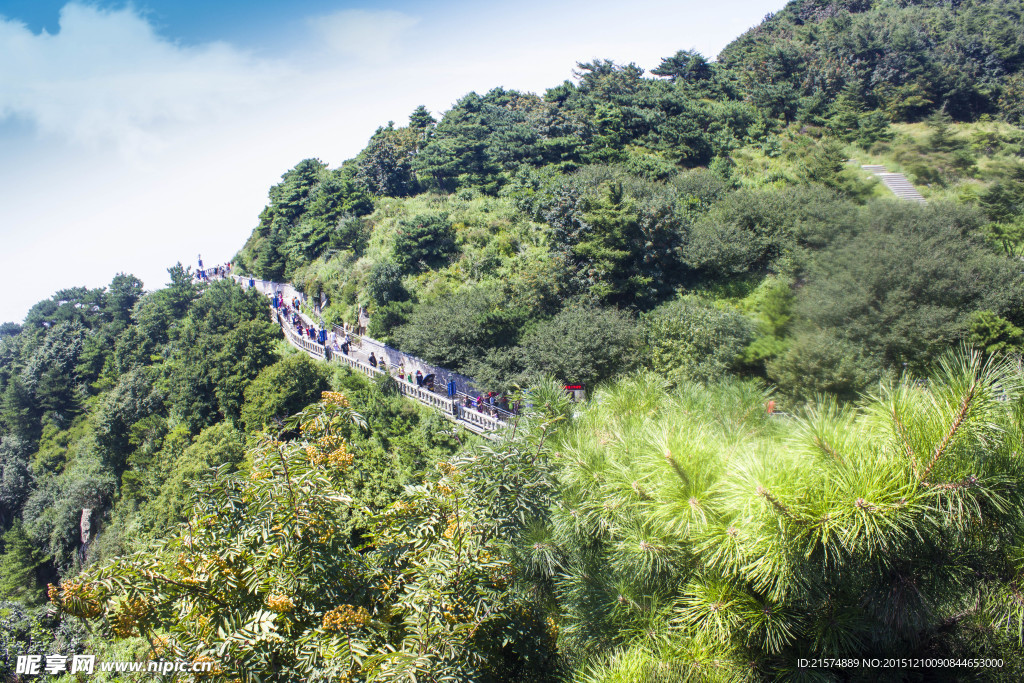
[
  {"x": 141, "y": 151},
  {"x": 106, "y": 79},
  {"x": 362, "y": 34}
]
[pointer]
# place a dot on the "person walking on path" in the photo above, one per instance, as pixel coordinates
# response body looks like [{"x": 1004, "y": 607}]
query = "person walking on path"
[
  {"x": 419, "y": 378},
  {"x": 456, "y": 406},
  {"x": 364, "y": 320},
  {"x": 373, "y": 360}
]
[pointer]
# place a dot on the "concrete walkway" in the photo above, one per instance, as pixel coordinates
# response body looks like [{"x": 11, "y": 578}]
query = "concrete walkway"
[{"x": 358, "y": 359}]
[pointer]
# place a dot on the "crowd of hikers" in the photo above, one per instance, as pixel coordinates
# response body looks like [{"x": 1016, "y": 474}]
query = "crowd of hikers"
[
  {"x": 289, "y": 311},
  {"x": 491, "y": 403},
  {"x": 213, "y": 273}
]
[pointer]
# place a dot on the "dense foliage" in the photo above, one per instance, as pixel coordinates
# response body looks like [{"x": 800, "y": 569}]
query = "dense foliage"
[
  {"x": 651, "y": 536},
  {"x": 625, "y": 191},
  {"x": 116, "y": 402},
  {"x": 264, "y": 577},
  {"x": 699, "y": 536},
  {"x": 691, "y": 243},
  {"x": 904, "y": 59}
]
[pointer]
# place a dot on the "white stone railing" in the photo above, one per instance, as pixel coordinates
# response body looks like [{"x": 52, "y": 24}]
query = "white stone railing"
[
  {"x": 477, "y": 421},
  {"x": 355, "y": 365},
  {"x": 480, "y": 420},
  {"x": 308, "y": 345}
]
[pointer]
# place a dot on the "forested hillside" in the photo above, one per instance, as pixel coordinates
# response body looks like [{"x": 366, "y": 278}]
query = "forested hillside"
[
  {"x": 904, "y": 59},
  {"x": 523, "y": 234},
  {"x": 699, "y": 246},
  {"x": 116, "y": 402}
]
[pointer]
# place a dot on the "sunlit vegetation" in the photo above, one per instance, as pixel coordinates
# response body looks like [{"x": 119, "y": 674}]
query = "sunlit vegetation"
[{"x": 805, "y": 396}]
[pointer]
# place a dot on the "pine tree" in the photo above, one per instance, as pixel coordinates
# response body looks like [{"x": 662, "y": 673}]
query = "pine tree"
[
  {"x": 18, "y": 568},
  {"x": 700, "y": 539},
  {"x": 421, "y": 118},
  {"x": 270, "y": 262}
]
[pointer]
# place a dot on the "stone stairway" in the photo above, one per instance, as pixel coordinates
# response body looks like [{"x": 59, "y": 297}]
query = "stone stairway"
[{"x": 896, "y": 182}]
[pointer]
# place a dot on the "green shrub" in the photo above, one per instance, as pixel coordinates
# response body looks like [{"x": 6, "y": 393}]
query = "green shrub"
[
  {"x": 282, "y": 389},
  {"x": 386, "y": 318},
  {"x": 691, "y": 339},
  {"x": 580, "y": 344},
  {"x": 423, "y": 241}
]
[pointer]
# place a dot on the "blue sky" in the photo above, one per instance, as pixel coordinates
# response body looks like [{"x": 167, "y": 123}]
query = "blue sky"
[
  {"x": 135, "y": 135},
  {"x": 243, "y": 22}
]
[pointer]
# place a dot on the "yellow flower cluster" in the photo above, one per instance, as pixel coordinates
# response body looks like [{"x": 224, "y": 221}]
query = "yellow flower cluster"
[
  {"x": 338, "y": 457},
  {"x": 218, "y": 562},
  {"x": 398, "y": 508},
  {"x": 329, "y": 442},
  {"x": 334, "y": 398},
  {"x": 199, "y": 663},
  {"x": 325, "y": 536},
  {"x": 79, "y": 599},
  {"x": 552, "y": 628},
  {"x": 161, "y": 645},
  {"x": 502, "y": 576},
  {"x": 386, "y": 583},
  {"x": 452, "y": 611},
  {"x": 446, "y": 468},
  {"x": 453, "y": 526},
  {"x": 280, "y": 603},
  {"x": 125, "y": 621},
  {"x": 317, "y": 525},
  {"x": 344, "y": 617},
  {"x": 445, "y": 489}
]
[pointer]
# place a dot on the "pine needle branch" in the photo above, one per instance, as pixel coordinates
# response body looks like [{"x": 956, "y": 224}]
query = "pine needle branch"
[
  {"x": 961, "y": 415},
  {"x": 776, "y": 503},
  {"x": 901, "y": 432},
  {"x": 968, "y": 482},
  {"x": 826, "y": 449},
  {"x": 680, "y": 472}
]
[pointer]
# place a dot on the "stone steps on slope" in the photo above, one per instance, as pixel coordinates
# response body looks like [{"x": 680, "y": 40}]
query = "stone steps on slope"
[{"x": 896, "y": 182}]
